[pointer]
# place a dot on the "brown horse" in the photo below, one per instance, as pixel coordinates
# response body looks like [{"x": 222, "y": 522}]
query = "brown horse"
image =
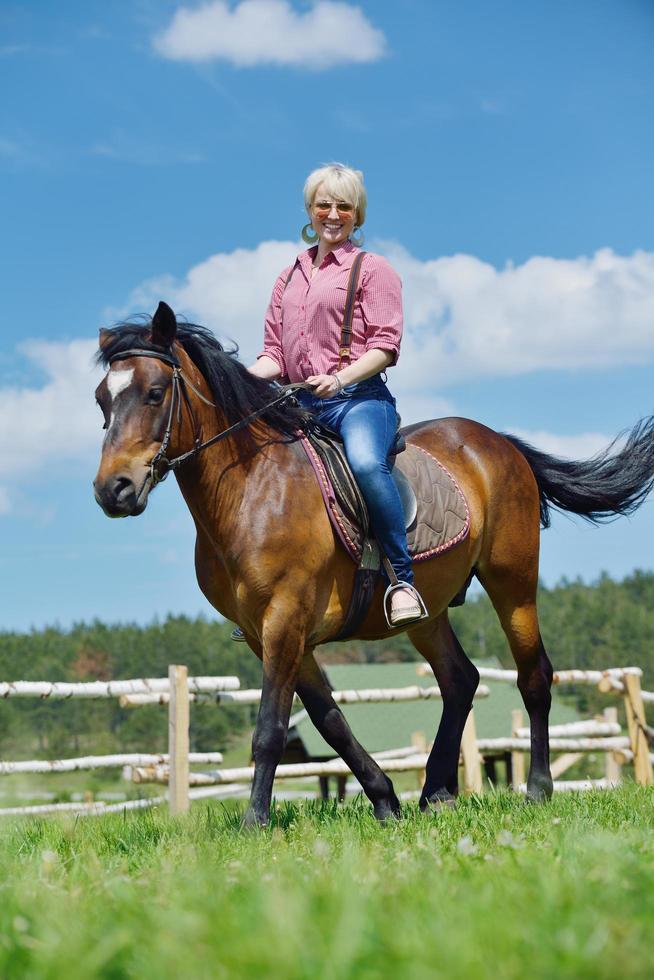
[{"x": 267, "y": 558}]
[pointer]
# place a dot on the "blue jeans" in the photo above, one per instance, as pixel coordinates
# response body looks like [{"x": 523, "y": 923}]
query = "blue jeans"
[{"x": 364, "y": 416}]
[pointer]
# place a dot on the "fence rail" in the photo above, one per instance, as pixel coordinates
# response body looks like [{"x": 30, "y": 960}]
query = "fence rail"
[
  {"x": 103, "y": 762},
  {"x": 178, "y": 691},
  {"x": 95, "y": 690},
  {"x": 373, "y": 695},
  {"x": 297, "y": 770}
]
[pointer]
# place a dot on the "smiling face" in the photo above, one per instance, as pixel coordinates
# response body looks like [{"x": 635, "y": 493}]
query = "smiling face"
[{"x": 333, "y": 219}]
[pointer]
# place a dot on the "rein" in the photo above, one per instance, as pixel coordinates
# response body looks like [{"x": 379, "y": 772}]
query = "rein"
[{"x": 160, "y": 465}]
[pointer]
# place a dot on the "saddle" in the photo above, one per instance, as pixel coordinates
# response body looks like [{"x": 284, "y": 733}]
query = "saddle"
[{"x": 435, "y": 510}]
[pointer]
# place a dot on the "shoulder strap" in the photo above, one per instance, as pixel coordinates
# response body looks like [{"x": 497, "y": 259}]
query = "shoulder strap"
[{"x": 348, "y": 313}]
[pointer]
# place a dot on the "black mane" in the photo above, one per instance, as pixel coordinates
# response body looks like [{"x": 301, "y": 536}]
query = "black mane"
[{"x": 235, "y": 391}]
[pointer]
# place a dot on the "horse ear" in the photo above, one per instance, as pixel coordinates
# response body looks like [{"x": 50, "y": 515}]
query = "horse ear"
[
  {"x": 164, "y": 326},
  {"x": 103, "y": 337}
]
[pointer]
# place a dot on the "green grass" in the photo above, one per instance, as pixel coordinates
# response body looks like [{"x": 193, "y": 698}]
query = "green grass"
[{"x": 495, "y": 889}]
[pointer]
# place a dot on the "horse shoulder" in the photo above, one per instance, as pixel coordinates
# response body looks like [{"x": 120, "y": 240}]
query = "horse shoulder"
[{"x": 280, "y": 535}]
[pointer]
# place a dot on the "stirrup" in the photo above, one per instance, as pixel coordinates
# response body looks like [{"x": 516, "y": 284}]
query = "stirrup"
[{"x": 423, "y": 614}]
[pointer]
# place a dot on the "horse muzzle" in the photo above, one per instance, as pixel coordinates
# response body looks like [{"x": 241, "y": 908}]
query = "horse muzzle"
[{"x": 120, "y": 497}]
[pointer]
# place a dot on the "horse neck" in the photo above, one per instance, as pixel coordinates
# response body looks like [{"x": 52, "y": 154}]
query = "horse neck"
[{"x": 212, "y": 483}]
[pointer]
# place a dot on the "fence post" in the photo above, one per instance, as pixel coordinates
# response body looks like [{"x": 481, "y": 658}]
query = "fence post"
[
  {"x": 613, "y": 769},
  {"x": 517, "y": 758},
  {"x": 635, "y": 709},
  {"x": 178, "y": 739},
  {"x": 471, "y": 758}
]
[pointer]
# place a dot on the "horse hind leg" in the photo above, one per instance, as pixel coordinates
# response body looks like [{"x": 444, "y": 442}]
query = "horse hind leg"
[
  {"x": 330, "y": 721},
  {"x": 514, "y": 597},
  {"x": 457, "y": 678}
]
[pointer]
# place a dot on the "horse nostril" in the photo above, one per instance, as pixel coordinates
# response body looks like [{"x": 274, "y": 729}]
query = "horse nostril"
[{"x": 122, "y": 487}]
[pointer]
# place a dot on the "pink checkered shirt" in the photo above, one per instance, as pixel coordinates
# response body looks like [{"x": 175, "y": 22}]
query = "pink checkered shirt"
[{"x": 304, "y": 319}]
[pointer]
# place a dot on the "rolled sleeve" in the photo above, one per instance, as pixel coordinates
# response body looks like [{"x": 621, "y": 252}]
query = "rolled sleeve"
[
  {"x": 381, "y": 306},
  {"x": 272, "y": 333}
]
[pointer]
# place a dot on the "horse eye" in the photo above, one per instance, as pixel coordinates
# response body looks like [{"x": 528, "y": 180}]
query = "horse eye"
[{"x": 155, "y": 396}]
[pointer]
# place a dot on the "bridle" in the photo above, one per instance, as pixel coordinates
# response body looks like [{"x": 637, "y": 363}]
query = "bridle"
[{"x": 160, "y": 464}]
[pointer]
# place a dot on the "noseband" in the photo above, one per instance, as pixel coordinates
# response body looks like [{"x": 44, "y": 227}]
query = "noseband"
[{"x": 160, "y": 465}]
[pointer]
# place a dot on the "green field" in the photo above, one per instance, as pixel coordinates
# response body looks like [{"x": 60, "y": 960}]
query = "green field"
[{"x": 495, "y": 888}]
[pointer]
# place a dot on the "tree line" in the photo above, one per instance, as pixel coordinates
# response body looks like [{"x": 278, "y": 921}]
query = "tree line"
[{"x": 603, "y": 624}]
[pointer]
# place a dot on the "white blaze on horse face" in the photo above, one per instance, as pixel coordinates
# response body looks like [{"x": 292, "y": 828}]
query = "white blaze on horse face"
[{"x": 117, "y": 381}]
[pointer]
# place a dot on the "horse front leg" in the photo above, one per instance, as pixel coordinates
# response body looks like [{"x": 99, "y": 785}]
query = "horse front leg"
[
  {"x": 282, "y": 651},
  {"x": 328, "y": 718}
]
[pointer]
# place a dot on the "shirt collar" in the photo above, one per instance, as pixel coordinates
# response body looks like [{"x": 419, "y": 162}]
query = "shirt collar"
[{"x": 343, "y": 255}]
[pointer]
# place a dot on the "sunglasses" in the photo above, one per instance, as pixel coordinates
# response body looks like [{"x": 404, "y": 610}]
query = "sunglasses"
[{"x": 322, "y": 208}]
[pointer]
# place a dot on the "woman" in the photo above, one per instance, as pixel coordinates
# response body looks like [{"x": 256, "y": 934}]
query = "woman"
[{"x": 303, "y": 341}]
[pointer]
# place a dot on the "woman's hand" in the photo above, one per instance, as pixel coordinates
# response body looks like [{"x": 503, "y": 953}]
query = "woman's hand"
[{"x": 324, "y": 385}]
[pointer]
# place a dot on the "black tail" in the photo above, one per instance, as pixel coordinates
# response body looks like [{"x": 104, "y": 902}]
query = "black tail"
[{"x": 614, "y": 482}]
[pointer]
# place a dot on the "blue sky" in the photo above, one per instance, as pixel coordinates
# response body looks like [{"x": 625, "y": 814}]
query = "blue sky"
[{"x": 153, "y": 149}]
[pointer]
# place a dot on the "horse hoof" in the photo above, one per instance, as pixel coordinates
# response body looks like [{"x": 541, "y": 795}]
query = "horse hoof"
[
  {"x": 253, "y": 822},
  {"x": 539, "y": 791},
  {"x": 388, "y": 810},
  {"x": 440, "y": 800}
]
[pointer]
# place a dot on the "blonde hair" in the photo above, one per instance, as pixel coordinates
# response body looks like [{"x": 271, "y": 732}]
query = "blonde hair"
[{"x": 342, "y": 183}]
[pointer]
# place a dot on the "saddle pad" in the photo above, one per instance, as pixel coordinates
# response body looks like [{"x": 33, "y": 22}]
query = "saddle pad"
[{"x": 442, "y": 519}]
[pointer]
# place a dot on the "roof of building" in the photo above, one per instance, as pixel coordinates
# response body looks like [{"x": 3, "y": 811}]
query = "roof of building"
[{"x": 390, "y": 725}]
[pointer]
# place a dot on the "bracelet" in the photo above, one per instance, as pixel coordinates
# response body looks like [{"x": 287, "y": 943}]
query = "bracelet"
[{"x": 338, "y": 382}]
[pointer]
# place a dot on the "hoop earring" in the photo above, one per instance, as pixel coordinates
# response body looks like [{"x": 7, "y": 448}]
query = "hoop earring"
[
  {"x": 359, "y": 239},
  {"x": 307, "y": 237}
]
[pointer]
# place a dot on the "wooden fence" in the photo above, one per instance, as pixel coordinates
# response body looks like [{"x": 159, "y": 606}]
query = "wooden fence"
[
  {"x": 568, "y": 742},
  {"x": 619, "y": 682}
]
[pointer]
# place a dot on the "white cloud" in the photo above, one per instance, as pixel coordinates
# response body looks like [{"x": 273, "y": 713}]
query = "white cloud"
[
  {"x": 55, "y": 423},
  {"x": 418, "y": 406},
  {"x": 463, "y": 317},
  {"x": 581, "y": 446},
  {"x": 467, "y": 319},
  {"x": 271, "y": 32},
  {"x": 228, "y": 292}
]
